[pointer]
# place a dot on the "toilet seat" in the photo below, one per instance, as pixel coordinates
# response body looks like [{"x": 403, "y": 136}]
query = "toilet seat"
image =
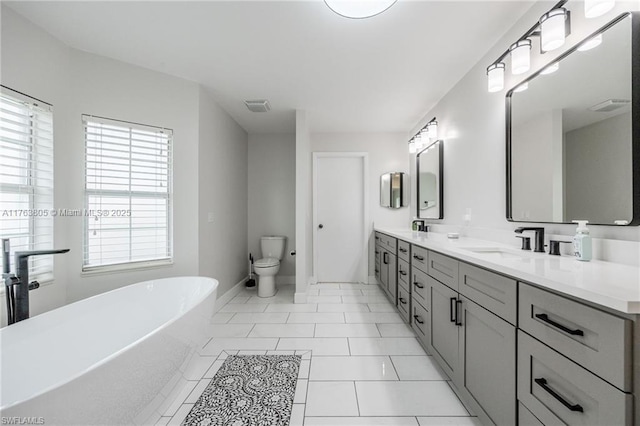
[{"x": 267, "y": 262}]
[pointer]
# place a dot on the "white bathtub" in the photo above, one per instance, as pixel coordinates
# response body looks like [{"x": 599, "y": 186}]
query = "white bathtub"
[{"x": 110, "y": 359}]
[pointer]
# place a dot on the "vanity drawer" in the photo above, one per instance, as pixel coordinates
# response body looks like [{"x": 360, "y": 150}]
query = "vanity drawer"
[
  {"x": 419, "y": 282},
  {"x": 494, "y": 292},
  {"x": 558, "y": 391},
  {"x": 444, "y": 269},
  {"x": 599, "y": 341},
  {"x": 404, "y": 251},
  {"x": 403, "y": 273},
  {"x": 525, "y": 418},
  {"x": 404, "y": 303},
  {"x": 419, "y": 257},
  {"x": 389, "y": 243},
  {"x": 419, "y": 318}
]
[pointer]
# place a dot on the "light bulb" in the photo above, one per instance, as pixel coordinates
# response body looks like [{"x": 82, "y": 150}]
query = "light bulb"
[
  {"x": 595, "y": 8},
  {"x": 432, "y": 127},
  {"x": 520, "y": 56},
  {"x": 412, "y": 147},
  {"x": 553, "y": 29},
  {"x": 591, "y": 43},
  {"x": 495, "y": 77},
  {"x": 521, "y": 88},
  {"x": 551, "y": 68},
  {"x": 418, "y": 141}
]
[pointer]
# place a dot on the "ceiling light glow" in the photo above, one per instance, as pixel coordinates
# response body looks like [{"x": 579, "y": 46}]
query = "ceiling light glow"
[{"x": 359, "y": 9}]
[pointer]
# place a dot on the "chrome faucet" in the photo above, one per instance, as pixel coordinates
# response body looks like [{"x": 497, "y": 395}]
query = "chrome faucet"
[
  {"x": 17, "y": 286},
  {"x": 539, "y": 237}
]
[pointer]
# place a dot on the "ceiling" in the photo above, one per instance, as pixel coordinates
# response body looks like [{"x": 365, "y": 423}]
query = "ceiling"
[{"x": 380, "y": 74}]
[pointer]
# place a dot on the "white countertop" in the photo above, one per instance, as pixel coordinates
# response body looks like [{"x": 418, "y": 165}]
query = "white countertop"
[{"x": 609, "y": 284}]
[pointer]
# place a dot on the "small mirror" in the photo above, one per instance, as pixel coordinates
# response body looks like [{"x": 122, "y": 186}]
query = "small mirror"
[
  {"x": 429, "y": 169},
  {"x": 573, "y": 135},
  {"x": 393, "y": 188}
]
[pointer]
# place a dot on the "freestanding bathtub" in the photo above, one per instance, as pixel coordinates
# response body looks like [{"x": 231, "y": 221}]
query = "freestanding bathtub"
[{"x": 110, "y": 359}]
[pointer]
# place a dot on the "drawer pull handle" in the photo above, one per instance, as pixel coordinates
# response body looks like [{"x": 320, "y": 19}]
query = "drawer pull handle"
[
  {"x": 377, "y": 270},
  {"x": 417, "y": 284},
  {"x": 402, "y": 272},
  {"x": 377, "y": 252},
  {"x": 458, "y": 304},
  {"x": 545, "y": 318},
  {"x": 418, "y": 257},
  {"x": 418, "y": 320},
  {"x": 452, "y": 309},
  {"x": 377, "y": 238},
  {"x": 402, "y": 300},
  {"x": 384, "y": 258},
  {"x": 403, "y": 250},
  {"x": 542, "y": 382}
]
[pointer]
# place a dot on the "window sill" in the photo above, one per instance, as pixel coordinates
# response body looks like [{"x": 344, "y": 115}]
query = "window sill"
[{"x": 126, "y": 267}]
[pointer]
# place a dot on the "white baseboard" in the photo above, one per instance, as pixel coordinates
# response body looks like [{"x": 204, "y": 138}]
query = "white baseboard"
[
  {"x": 230, "y": 294},
  {"x": 372, "y": 280},
  {"x": 300, "y": 297},
  {"x": 285, "y": 279}
]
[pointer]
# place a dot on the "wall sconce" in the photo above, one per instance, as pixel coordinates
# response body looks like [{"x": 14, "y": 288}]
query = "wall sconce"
[
  {"x": 553, "y": 29},
  {"x": 595, "y": 8},
  {"x": 421, "y": 139},
  {"x": 591, "y": 43},
  {"x": 520, "y": 56},
  {"x": 495, "y": 77}
]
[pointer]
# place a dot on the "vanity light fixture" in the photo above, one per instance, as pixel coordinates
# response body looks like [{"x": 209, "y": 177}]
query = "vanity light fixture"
[
  {"x": 521, "y": 88},
  {"x": 422, "y": 138},
  {"x": 553, "y": 29},
  {"x": 591, "y": 43},
  {"x": 551, "y": 68},
  {"x": 595, "y": 8},
  {"x": 359, "y": 9},
  {"x": 520, "y": 56},
  {"x": 495, "y": 77}
]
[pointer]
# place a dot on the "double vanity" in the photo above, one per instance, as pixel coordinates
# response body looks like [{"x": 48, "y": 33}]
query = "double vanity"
[{"x": 526, "y": 338}]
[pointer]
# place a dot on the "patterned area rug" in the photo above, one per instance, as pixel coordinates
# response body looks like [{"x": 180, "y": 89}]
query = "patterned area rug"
[{"x": 248, "y": 390}]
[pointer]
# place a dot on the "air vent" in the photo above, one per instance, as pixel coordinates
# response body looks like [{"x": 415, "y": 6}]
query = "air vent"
[
  {"x": 261, "y": 105},
  {"x": 610, "y": 105}
]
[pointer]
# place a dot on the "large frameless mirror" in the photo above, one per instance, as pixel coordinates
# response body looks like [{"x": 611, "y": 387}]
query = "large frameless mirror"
[
  {"x": 429, "y": 182},
  {"x": 573, "y": 137}
]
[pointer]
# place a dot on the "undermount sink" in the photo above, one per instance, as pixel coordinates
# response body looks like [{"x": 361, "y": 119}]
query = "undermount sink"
[{"x": 498, "y": 251}]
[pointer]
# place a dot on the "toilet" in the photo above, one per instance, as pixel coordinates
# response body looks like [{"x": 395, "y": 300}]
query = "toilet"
[{"x": 272, "y": 247}]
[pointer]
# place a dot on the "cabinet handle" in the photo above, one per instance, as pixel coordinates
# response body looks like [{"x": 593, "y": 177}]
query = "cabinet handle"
[
  {"x": 452, "y": 302},
  {"x": 417, "y": 284},
  {"x": 377, "y": 270},
  {"x": 418, "y": 320},
  {"x": 402, "y": 272},
  {"x": 402, "y": 300},
  {"x": 377, "y": 238},
  {"x": 384, "y": 258},
  {"x": 458, "y": 304},
  {"x": 377, "y": 252},
  {"x": 403, "y": 250},
  {"x": 418, "y": 257},
  {"x": 545, "y": 318},
  {"x": 542, "y": 382}
]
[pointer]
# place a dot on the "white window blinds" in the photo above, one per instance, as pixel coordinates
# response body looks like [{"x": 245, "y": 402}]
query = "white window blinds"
[
  {"x": 127, "y": 193},
  {"x": 26, "y": 178}
]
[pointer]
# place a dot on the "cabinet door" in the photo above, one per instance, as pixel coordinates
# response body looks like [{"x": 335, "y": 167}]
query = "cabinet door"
[
  {"x": 384, "y": 270},
  {"x": 392, "y": 280},
  {"x": 378, "y": 262},
  {"x": 487, "y": 371},
  {"x": 443, "y": 338}
]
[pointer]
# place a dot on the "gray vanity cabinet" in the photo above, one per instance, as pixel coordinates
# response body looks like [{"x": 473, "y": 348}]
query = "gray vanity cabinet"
[
  {"x": 443, "y": 333},
  {"x": 486, "y": 374},
  {"x": 386, "y": 265}
]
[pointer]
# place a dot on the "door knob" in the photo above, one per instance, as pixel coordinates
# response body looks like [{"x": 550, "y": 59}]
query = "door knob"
[{"x": 321, "y": 226}]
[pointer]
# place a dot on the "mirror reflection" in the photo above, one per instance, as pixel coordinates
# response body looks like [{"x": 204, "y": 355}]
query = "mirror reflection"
[
  {"x": 429, "y": 169},
  {"x": 571, "y": 140},
  {"x": 393, "y": 188}
]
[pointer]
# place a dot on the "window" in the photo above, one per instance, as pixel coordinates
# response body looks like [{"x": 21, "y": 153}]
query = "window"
[
  {"x": 127, "y": 194},
  {"x": 26, "y": 178}
]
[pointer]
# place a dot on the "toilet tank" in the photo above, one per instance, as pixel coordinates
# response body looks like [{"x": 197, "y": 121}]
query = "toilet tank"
[{"x": 273, "y": 246}]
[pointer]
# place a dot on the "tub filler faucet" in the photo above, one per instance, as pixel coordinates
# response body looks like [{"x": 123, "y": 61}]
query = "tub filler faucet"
[{"x": 17, "y": 285}]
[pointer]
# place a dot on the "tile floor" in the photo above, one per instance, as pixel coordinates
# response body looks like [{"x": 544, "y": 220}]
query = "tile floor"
[{"x": 361, "y": 364}]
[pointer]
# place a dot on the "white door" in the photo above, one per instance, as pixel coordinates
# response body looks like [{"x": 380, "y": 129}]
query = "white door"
[{"x": 339, "y": 217}]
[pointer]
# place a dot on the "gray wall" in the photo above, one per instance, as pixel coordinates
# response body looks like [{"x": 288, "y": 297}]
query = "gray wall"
[
  {"x": 597, "y": 171},
  {"x": 272, "y": 190}
]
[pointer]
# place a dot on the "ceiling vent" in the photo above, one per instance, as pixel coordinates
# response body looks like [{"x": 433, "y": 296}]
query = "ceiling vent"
[
  {"x": 261, "y": 105},
  {"x": 610, "y": 105}
]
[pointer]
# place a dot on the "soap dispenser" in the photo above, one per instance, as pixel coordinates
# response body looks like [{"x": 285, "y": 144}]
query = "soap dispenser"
[{"x": 582, "y": 241}]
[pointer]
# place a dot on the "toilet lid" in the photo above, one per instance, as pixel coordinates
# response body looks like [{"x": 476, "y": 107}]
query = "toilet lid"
[{"x": 266, "y": 262}]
